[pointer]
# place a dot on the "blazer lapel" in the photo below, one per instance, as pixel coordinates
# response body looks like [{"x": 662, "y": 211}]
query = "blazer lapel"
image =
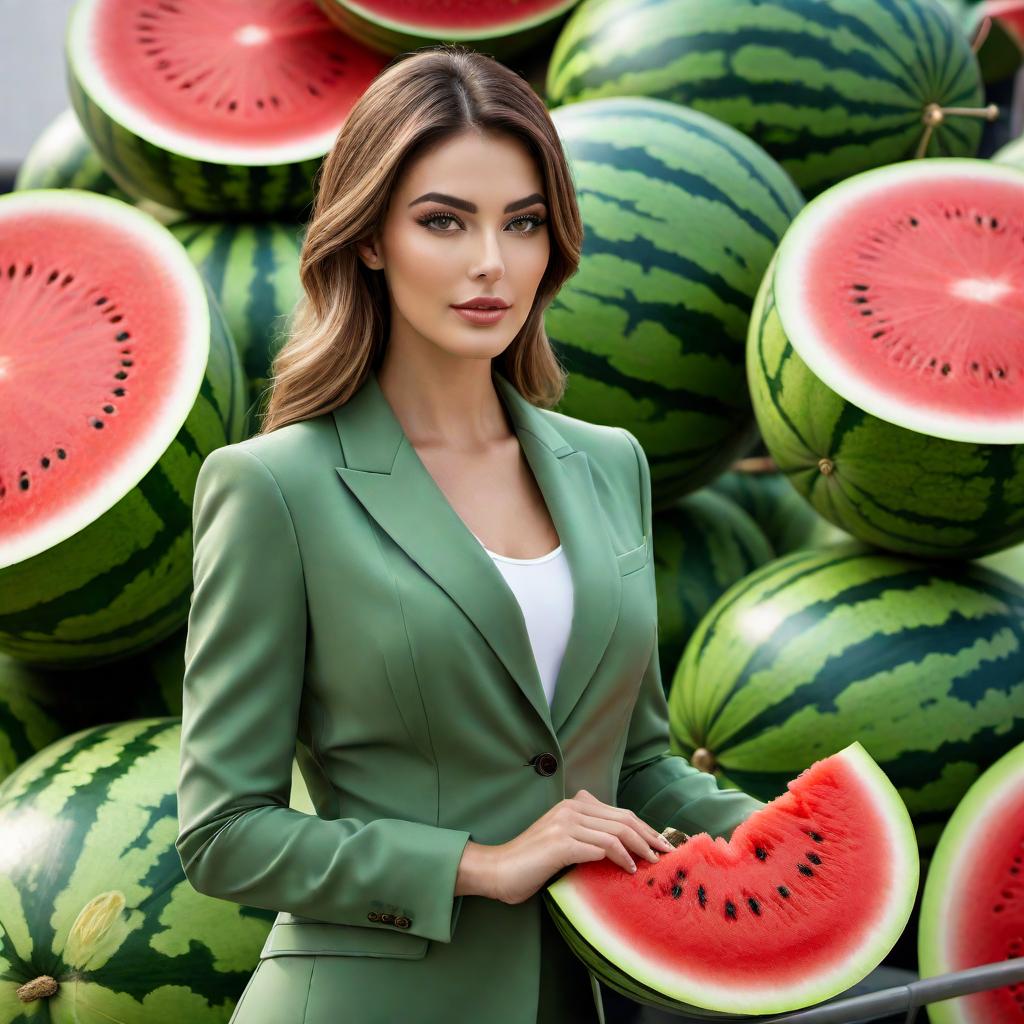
[{"x": 385, "y": 473}]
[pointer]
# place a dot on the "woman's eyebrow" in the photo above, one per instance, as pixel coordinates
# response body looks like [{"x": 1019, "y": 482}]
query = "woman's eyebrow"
[{"x": 465, "y": 204}]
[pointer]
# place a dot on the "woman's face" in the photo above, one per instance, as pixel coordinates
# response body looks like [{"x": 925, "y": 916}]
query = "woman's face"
[{"x": 449, "y": 237}]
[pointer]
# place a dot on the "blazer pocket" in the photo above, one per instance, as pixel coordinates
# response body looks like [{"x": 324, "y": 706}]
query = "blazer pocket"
[
  {"x": 633, "y": 559},
  {"x": 326, "y": 939}
]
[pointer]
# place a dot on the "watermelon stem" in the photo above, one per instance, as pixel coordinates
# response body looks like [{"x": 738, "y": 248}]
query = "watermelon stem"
[
  {"x": 934, "y": 114},
  {"x": 37, "y": 988}
]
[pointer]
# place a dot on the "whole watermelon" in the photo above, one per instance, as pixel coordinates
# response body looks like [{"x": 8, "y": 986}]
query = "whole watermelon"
[
  {"x": 921, "y": 661},
  {"x": 827, "y": 88},
  {"x": 97, "y": 920},
  {"x": 27, "y": 721},
  {"x": 786, "y": 518},
  {"x": 704, "y": 543},
  {"x": 681, "y": 214},
  {"x": 253, "y": 270}
]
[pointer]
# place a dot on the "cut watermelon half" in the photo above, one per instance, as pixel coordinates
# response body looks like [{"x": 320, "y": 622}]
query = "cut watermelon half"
[
  {"x": 972, "y": 907},
  {"x": 214, "y": 107},
  {"x": 392, "y": 26},
  {"x": 902, "y": 289},
  {"x": 121, "y": 376},
  {"x": 801, "y": 903}
]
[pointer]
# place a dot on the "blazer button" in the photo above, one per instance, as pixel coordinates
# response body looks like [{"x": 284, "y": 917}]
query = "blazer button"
[
  {"x": 544, "y": 764},
  {"x": 387, "y": 918},
  {"x": 402, "y": 922},
  {"x": 373, "y": 916}
]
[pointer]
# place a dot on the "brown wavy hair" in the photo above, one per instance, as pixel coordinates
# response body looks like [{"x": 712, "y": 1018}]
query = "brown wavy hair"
[{"x": 341, "y": 323}]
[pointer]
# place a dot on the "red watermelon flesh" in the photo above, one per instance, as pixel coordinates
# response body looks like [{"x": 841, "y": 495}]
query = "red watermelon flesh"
[
  {"x": 255, "y": 81},
  {"x": 801, "y": 903},
  {"x": 903, "y": 290}
]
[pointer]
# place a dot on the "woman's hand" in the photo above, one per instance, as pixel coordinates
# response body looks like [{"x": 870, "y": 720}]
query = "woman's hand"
[{"x": 577, "y": 829}]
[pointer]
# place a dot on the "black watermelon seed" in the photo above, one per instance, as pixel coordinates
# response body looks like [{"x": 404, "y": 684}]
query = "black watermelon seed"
[
  {"x": 677, "y": 891},
  {"x": 804, "y": 869},
  {"x": 702, "y": 896},
  {"x": 650, "y": 881},
  {"x": 783, "y": 891},
  {"x": 814, "y": 858},
  {"x": 680, "y": 873},
  {"x": 761, "y": 853},
  {"x": 730, "y": 909},
  {"x": 754, "y": 905},
  {"x": 815, "y": 837}
]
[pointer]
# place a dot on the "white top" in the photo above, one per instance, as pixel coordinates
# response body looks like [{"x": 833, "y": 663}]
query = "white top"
[{"x": 543, "y": 588}]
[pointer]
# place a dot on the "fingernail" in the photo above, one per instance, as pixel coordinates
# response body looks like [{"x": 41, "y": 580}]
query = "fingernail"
[
  {"x": 653, "y": 855},
  {"x": 632, "y": 868}
]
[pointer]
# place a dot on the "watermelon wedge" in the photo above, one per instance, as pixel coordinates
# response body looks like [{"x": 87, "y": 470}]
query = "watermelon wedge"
[
  {"x": 495, "y": 26},
  {"x": 222, "y": 108},
  {"x": 119, "y": 377},
  {"x": 972, "y": 907},
  {"x": 884, "y": 356},
  {"x": 800, "y": 904}
]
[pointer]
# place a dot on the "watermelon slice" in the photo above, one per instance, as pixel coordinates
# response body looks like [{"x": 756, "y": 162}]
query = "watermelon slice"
[
  {"x": 121, "y": 376},
  {"x": 800, "y": 904},
  {"x": 972, "y": 907},
  {"x": 218, "y": 108},
  {"x": 496, "y": 26},
  {"x": 884, "y": 356}
]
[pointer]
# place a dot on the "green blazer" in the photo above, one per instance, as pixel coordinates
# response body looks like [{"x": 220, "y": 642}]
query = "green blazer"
[{"x": 343, "y": 613}]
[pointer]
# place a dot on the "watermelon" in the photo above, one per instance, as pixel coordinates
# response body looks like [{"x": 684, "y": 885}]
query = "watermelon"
[
  {"x": 704, "y": 544},
  {"x": 997, "y": 29},
  {"x": 899, "y": 430},
  {"x": 920, "y": 661},
  {"x": 972, "y": 907},
  {"x": 226, "y": 109},
  {"x": 253, "y": 270},
  {"x": 104, "y": 306},
  {"x": 828, "y": 89},
  {"x": 26, "y": 721},
  {"x": 681, "y": 217},
  {"x": 496, "y": 27},
  {"x": 97, "y": 919},
  {"x": 801, "y": 903},
  {"x": 785, "y": 518}
]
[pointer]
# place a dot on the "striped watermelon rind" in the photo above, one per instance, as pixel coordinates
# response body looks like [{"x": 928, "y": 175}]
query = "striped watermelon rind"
[
  {"x": 682, "y": 215},
  {"x": 252, "y": 269},
  {"x": 92, "y": 892},
  {"x": 116, "y": 576},
  {"x": 919, "y": 661},
  {"x": 829, "y": 89}
]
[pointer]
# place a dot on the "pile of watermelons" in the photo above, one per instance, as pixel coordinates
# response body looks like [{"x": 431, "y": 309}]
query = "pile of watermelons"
[{"x": 802, "y": 290}]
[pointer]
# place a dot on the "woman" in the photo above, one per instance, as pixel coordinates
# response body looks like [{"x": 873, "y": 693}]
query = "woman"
[{"x": 471, "y": 714}]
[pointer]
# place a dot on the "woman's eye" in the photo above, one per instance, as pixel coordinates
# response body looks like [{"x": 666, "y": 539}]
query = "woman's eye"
[{"x": 531, "y": 219}]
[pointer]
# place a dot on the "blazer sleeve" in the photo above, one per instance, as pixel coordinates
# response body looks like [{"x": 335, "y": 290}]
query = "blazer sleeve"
[
  {"x": 238, "y": 837},
  {"x": 660, "y": 787}
]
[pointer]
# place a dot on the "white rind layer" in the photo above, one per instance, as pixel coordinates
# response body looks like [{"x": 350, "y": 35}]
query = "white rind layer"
[
  {"x": 767, "y": 994},
  {"x": 954, "y": 856},
  {"x": 798, "y": 265},
  {"x": 184, "y": 288},
  {"x": 88, "y": 70}
]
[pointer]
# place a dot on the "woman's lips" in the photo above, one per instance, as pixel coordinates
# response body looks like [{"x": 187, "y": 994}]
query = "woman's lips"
[{"x": 481, "y": 316}]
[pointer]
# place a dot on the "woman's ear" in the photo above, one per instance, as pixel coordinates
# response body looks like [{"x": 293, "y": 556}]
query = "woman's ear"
[{"x": 369, "y": 253}]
